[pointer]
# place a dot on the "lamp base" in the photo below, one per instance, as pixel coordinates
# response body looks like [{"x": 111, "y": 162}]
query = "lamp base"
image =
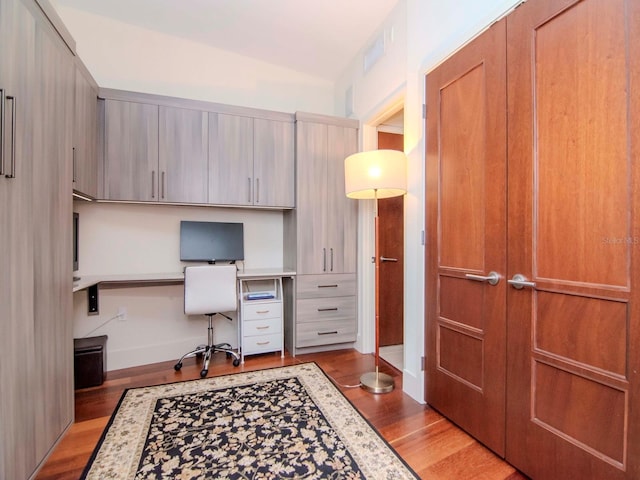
[{"x": 376, "y": 382}]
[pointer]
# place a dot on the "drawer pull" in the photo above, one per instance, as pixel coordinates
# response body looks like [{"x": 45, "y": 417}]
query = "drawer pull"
[
  {"x": 328, "y": 286},
  {"x": 262, "y": 311},
  {"x": 263, "y": 343},
  {"x": 335, "y": 332},
  {"x": 263, "y": 328},
  {"x": 328, "y": 309}
]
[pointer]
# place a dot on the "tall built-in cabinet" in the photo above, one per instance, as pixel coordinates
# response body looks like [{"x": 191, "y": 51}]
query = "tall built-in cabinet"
[
  {"x": 320, "y": 236},
  {"x": 160, "y": 149},
  {"x": 36, "y": 371}
]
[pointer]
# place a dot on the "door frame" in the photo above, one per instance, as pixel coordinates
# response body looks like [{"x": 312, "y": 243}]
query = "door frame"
[{"x": 366, "y": 238}]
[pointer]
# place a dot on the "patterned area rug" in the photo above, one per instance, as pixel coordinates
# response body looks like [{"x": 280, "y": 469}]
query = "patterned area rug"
[{"x": 288, "y": 422}]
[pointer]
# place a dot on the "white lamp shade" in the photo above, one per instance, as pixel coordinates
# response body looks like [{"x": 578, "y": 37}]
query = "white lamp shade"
[{"x": 375, "y": 174}]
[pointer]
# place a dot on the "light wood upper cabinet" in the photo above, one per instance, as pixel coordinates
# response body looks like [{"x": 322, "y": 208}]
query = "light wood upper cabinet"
[
  {"x": 162, "y": 149},
  {"x": 183, "y": 155},
  {"x": 131, "y": 151},
  {"x": 273, "y": 163},
  {"x": 326, "y": 218},
  {"x": 85, "y": 135},
  {"x": 251, "y": 161},
  {"x": 230, "y": 159}
]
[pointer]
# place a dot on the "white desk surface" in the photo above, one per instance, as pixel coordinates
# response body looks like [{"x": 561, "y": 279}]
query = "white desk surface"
[{"x": 87, "y": 281}]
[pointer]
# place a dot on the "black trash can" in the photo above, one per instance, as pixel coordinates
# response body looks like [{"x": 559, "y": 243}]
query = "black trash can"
[{"x": 90, "y": 361}]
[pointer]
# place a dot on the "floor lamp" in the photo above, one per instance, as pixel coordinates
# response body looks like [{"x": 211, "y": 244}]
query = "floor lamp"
[{"x": 373, "y": 175}]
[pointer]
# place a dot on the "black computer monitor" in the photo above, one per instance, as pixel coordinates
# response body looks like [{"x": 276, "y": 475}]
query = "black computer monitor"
[{"x": 211, "y": 241}]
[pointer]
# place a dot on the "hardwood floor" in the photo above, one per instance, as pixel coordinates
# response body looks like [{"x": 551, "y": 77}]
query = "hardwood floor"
[{"x": 429, "y": 443}]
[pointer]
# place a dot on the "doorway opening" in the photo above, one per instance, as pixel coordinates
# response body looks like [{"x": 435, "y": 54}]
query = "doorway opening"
[{"x": 390, "y": 133}]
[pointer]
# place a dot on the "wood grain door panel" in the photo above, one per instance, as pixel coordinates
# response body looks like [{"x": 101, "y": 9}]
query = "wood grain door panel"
[
  {"x": 572, "y": 357},
  {"x": 391, "y": 237},
  {"x": 466, "y": 211}
]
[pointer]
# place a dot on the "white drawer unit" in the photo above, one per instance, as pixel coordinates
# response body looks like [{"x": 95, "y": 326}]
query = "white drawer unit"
[{"x": 261, "y": 319}]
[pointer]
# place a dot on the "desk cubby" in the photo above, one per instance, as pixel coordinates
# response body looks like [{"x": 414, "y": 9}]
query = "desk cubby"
[{"x": 261, "y": 325}]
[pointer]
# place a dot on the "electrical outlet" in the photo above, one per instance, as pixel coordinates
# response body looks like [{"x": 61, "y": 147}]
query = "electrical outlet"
[{"x": 122, "y": 313}]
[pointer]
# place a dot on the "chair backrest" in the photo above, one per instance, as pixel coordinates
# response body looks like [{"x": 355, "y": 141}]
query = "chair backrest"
[{"x": 210, "y": 289}]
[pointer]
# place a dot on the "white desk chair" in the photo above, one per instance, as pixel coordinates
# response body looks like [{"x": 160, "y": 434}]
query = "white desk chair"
[{"x": 210, "y": 290}]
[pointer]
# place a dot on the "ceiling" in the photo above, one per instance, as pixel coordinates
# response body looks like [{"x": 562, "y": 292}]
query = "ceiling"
[{"x": 316, "y": 37}]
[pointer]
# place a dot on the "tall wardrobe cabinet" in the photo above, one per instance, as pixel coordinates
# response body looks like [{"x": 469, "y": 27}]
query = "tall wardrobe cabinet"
[
  {"x": 36, "y": 367},
  {"x": 320, "y": 235},
  {"x": 533, "y": 265}
]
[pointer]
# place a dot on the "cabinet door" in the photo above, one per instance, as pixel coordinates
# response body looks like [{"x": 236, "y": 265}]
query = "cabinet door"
[
  {"x": 131, "y": 151},
  {"x": 273, "y": 163},
  {"x": 311, "y": 195},
  {"x": 342, "y": 212},
  {"x": 85, "y": 137},
  {"x": 17, "y": 398},
  {"x": 230, "y": 160},
  {"x": 52, "y": 220},
  {"x": 183, "y": 155}
]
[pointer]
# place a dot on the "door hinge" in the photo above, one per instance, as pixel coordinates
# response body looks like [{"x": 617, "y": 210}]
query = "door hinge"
[
  {"x": 422, "y": 237},
  {"x": 424, "y": 110},
  {"x": 423, "y": 365}
]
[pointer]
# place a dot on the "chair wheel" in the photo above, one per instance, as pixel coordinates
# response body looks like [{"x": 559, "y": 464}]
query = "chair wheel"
[
  {"x": 203, "y": 373},
  {"x": 177, "y": 366},
  {"x": 236, "y": 362}
]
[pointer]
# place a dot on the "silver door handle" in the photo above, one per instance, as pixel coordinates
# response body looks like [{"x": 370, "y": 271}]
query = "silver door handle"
[
  {"x": 13, "y": 136},
  {"x": 388, "y": 259},
  {"x": 492, "y": 279},
  {"x": 519, "y": 281}
]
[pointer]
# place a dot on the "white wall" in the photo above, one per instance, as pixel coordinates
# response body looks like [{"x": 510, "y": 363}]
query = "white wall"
[
  {"x": 128, "y": 57},
  {"x": 129, "y": 238},
  {"x": 431, "y": 30}
]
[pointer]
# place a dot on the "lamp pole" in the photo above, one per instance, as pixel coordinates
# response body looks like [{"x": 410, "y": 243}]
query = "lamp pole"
[{"x": 376, "y": 382}]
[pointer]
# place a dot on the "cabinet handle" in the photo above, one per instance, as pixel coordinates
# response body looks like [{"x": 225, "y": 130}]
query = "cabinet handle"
[
  {"x": 331, "y": 259},
  {"x": 162, "y": 185},
  {"x": 257, "y": 190},
  {"x": 2, "y": 99},
  {"x": 324, "y": 259},
  {"x": 153, "y": 184},
  {"x": 334, "y": 332},
  {"x": 13, "y": 137},
  {"x": 73, "y": 164},
  {"x": 263, "y": 343},
  {"x": 335, "y": 285},
  {"x": 262, "y": 311},
  {"x": 263, "y": 328},
  {"x": 249, "y": 189},
  {"x": 328, "y": 309}
]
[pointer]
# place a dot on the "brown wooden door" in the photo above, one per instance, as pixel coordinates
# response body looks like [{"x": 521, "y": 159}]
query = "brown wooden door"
[
  {"x": 391, "y": 238},
  {"x": 466, "y": 235},
  {"x": 573, "y": 339}
]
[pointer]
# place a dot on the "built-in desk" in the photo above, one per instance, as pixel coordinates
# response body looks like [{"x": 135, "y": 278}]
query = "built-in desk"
[{"x": 260, "y": 320}]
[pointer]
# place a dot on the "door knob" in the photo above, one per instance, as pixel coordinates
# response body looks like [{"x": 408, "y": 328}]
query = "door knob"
[
  {"x": 519, "y": 281},
  {"x": 492, "y": 279},
  {"x": 387, "y": 259}
]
